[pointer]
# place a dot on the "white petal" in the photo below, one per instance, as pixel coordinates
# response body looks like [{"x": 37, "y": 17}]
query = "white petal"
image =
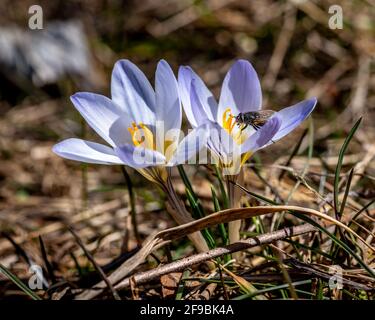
[
  {"x": 262, "y": 136},
  {"x": 86, "y": 151},
  {"x": 168, "y": 106},
  {"x": 190, "y": 146},
  {"x": 241, "y": 91},
  {"x": 185, "y": 77},
  {"x": 197, "y": 108},
  {"x": 98, "y": 111},
  {"x": 221, "y": 143},
  {"x": 133, "y": 92},
  {"x": 119, "y": 130},
  {"x": 291, "y": 117},
  {"x": 138, "y": 157}
]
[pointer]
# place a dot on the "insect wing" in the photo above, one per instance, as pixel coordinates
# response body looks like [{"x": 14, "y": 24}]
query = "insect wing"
[{"x": 261, "y": 117}]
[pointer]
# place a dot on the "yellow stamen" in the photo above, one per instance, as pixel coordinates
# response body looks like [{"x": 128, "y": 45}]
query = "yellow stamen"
[
  {"x": 142, "y": 136},
  {"x": 245, "y": 157},
  {"x": 228, "y": 120},
  {"x": 169, "y": 148}
]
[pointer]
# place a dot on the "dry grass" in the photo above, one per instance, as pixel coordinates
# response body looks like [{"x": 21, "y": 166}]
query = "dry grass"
[{"x": 295, "y": 54}]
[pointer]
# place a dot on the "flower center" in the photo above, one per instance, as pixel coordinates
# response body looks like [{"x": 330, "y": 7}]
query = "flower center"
[
  {"x": 142, "y": 136},
  {"x": 229, "y": 122}
]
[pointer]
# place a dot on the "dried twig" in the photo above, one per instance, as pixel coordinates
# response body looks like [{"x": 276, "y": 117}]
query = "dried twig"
[
  {"x": 281, "y": 47},
  {"x": 161, "y": 238},
  {"x": 184, "y": 263}
]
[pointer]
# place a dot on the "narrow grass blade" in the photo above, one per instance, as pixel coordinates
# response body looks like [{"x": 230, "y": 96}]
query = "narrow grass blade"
[
  {"x": 338, "y": 242},
  {"x": 343, "y": 245},
  {"x": 339, "y": 166},
  {"x": 181, "y": 285},
  {"x": 196, "y": 206},
  {"x": 18, "y": 283},
  {"x": 361, "y": 210},
  {"x": 293, "y": 154},
  {"x": 274, "y": 288},
  {"x": 185, "y": 178},
  {"x": 347, "y": 189},
  {"x": 198, "y": 213},
  {"x": 46, "y": 261},
  {"x": 222, "y": 229},
  {"x": 223, "y": 191},
  {"x": 244, "y": 285}
]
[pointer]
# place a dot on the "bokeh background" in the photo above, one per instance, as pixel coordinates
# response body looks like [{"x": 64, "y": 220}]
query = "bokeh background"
[{"x": 289, "y": 43}]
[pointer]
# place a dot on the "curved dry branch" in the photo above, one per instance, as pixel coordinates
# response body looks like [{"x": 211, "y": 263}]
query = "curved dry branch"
[
  {"x": 184, "y": 263},
  {"x": 159, "y": 239}
]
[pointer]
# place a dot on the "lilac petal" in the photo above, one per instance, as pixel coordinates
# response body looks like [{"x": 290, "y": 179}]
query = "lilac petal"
[
  {"x": 197, "y": 108},
  {"x": 221, "y": 143},
  {"x": 133, "y": 92},
  {"x": 86, "y": 151},
  {"x": 138, "y": 157},
  {"x": 168, "y": 106},
  {"x": 98, "y": 111},
  {"x": 205, "y": 97},
  {"x": 119, "y": 130},
  {"x": 192, "y": 144},
  {"x": 292, "y": 116},
  {"x": 241, "y": 91},
  {"x": 262, "y": 136},
  {"x": 225, "y": 148}
]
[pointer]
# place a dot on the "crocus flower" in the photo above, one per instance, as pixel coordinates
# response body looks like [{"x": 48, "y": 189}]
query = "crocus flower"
[
  {"x": 140, "y": 125},
  {"x": 142, "y": 128},
  {"x": 240, "y": 93}
]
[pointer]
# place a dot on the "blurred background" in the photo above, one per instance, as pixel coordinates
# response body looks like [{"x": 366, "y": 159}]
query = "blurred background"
[{"x": 289, "y": 43}]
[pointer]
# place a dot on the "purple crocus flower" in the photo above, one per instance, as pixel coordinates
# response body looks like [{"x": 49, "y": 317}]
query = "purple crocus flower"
[
  {"x": 240, "y": 93},
  {"x": 141, "y": 126}
]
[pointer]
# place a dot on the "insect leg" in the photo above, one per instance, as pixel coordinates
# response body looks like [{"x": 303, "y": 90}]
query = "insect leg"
[{"x": 244, "y": 127}]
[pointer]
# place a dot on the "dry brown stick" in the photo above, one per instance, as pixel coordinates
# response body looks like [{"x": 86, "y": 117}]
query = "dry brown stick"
[
  {"x": 155, "y": 241},
  {"x": 97, "y": 267},
  {"x": 361, "y": 86},
  {"x": 184, "y": 18},
  {"x": 55, "y": 226},
  {"x": 281, "y": 47},
  {"x": 208, "y": 291},
  {"x": 184, "y": 263}
]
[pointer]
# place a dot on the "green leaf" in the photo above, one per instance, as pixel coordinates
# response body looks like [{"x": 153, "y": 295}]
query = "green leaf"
[
  {"x": 274, "y": 288},
  {"x": 185, "y": 178},
  {"x": 222, "y": 229},
  {"x": 198, "y": 213},
  {"x": 223, "y": 191},
  {"x": 347, "y": 189},
  {"x": 339, "y": 166},
  {"x": 338, "y": 242}
]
